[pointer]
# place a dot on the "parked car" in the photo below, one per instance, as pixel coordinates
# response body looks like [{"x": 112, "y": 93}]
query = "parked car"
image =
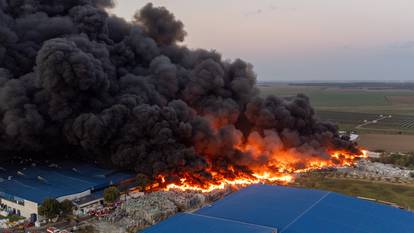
[{"x": 53, "y": 230}]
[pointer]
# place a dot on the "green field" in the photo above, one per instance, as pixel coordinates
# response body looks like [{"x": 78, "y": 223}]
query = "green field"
[
  {"x": 400, "y": 194},
  {"x": 348, "y": 100},
  {"x": 397, "y": 124}
]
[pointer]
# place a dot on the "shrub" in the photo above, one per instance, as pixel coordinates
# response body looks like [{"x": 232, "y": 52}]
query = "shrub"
[
  {"x": 111, "y": 194},
  {"x": 142, "y": 181},
  {"x": 66, "y": 207},
  {"x": 50, "y": 208}
]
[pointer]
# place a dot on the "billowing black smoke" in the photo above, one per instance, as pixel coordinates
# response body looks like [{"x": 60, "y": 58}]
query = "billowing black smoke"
[{"x": 75, "y": 81}]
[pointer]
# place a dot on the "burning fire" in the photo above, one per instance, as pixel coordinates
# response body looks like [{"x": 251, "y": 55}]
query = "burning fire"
[
  {"x": 255, "y": 179},
  {"x": 279, "y": 168}
]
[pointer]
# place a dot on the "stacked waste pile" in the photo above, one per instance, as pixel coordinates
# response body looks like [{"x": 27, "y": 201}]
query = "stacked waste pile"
[
  {"x": 141, "y": 212},
  {"x": 376, "y": 169},
  {"x": 185, "y": 200}
]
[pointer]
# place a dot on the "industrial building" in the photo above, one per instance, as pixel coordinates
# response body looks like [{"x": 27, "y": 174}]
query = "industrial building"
[
  {"x": 24, "y": 188},
  {"x": 275, "y": 209}
]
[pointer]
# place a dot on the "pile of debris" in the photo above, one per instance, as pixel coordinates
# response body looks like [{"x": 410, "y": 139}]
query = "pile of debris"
[
  {"x": 143, "y": 211},
  {"x": 146, "y": 210},
  {"x": 375, "y": 169}
]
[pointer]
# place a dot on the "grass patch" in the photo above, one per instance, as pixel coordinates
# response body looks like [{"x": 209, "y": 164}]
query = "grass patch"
[
  {"x": 401, "y": 194},
  {"x": 12, "y": 218}
]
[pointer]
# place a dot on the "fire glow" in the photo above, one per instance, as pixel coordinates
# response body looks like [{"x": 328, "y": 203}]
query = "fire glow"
[
  {"x": 132, "y": 96},
  {"x": 280, "y": 171}
]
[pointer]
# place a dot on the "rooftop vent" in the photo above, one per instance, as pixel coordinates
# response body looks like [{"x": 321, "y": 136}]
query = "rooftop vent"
[{"x": 41, "y": 178}]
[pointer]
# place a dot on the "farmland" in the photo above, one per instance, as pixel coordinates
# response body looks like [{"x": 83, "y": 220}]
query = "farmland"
[
  {"x": 392, "y": 124},
  {"x": 335, "y": 98},
  {"x": 372, "y": 110},
  {"x": 387, "y": 142}
]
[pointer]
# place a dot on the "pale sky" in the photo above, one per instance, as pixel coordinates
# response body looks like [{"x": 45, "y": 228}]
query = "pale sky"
[{"x": 288, "y": 40}]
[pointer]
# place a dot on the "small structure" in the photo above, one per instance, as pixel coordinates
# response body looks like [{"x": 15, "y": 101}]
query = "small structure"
[
  {"x": 353, "y": 137},
  {"x": 88, "y": 203},
  {"x": 372, "y": 154}
]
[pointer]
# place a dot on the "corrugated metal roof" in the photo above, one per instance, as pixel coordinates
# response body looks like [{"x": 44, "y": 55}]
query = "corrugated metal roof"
[
  {"x": 192, "y": 223},
  {"x": 41, "y": 182},
  {"x": 295, "y": 210}
]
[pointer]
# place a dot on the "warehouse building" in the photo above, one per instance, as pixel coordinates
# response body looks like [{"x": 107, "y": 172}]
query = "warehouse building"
[
  {"x": 24, "y": 188},
  {"x": 274, "y": 209}
]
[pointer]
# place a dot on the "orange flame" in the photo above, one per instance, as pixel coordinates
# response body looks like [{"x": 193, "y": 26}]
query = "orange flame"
[
  {"x": 222, "y": 184},
  {"x": 280, "y": 168},
  {"x": 265, "y": 160}
]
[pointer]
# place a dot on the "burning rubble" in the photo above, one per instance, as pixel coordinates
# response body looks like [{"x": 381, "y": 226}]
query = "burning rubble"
[{"x": 78, "y": 83}]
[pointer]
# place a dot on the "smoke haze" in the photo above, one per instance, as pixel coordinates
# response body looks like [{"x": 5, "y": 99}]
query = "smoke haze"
[{"x": 77, "y": 82}]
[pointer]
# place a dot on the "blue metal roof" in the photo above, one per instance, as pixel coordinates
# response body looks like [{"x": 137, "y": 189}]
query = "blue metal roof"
[
  {"x": 294, "y": 210},
  {"x": 41, "y": 182},
  {"x": 193, "y": 223}
]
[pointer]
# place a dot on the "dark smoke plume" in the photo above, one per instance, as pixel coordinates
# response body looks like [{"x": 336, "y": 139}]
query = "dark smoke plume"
[{"x": 76, "y": 81}]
